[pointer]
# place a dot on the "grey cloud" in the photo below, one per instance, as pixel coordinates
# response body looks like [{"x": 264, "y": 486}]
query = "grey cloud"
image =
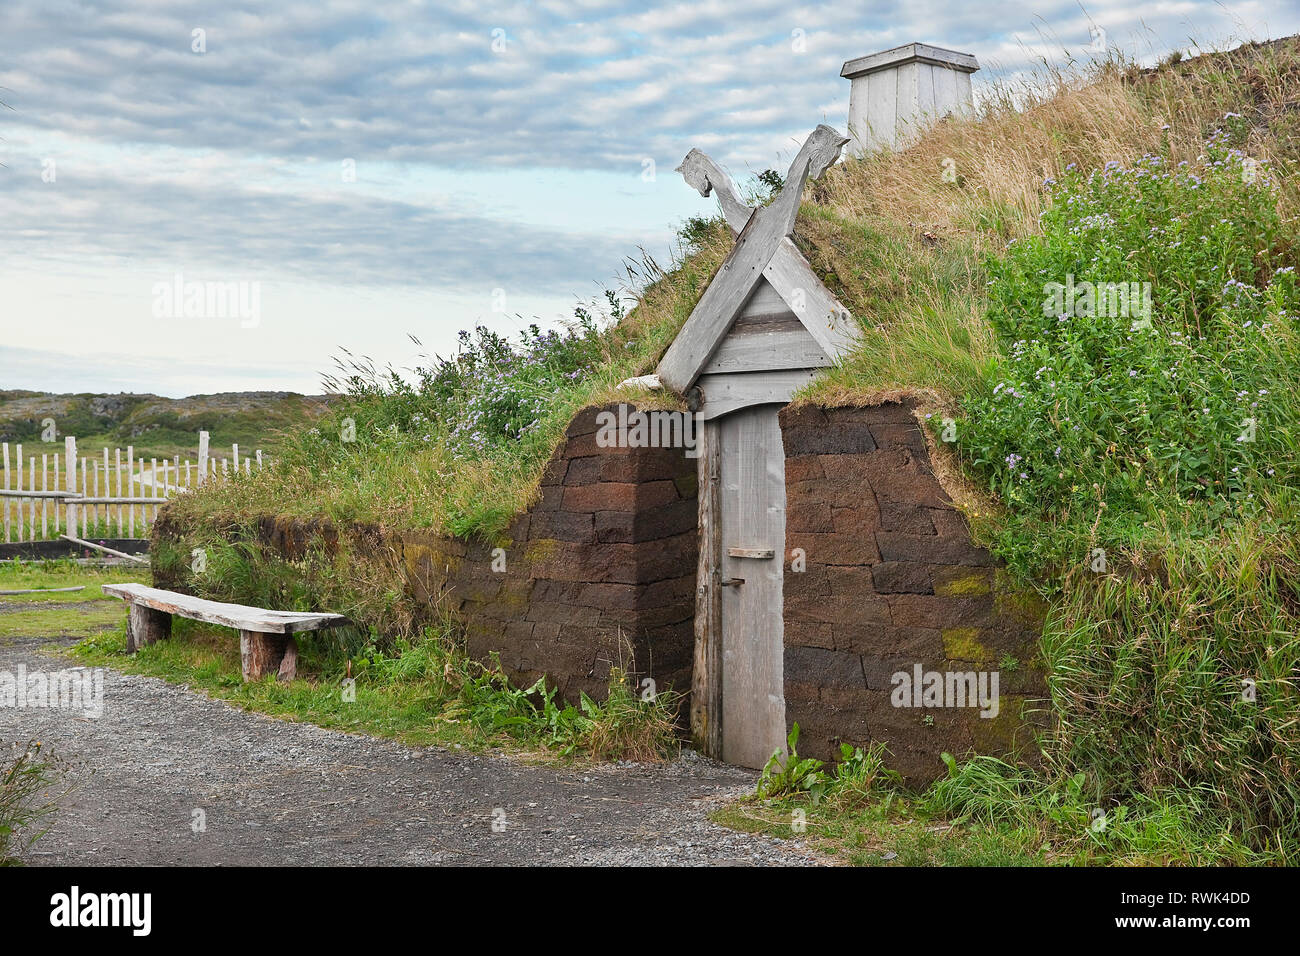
[
  {"x": 351, "y": 239},
  {"x": 419, "y": 82},
  {"x": 582, "y": 85}
]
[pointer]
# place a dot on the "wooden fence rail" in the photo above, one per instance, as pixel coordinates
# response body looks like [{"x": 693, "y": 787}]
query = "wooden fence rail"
[{"x": 51, "y": 494}]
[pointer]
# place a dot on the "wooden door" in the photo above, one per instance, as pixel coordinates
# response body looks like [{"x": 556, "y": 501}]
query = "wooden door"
[{"x": 751, "y": 551}]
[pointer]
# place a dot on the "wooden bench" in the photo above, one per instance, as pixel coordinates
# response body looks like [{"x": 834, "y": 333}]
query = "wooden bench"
[{"x": 266, "y": 643}]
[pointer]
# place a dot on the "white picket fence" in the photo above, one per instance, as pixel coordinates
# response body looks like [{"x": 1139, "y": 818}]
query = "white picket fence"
[{"x": 51, "y": 495}]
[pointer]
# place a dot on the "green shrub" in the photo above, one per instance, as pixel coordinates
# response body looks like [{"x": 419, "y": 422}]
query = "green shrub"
[
  {"x": 1095, "y": 425},
  {"x": 1149, "y": 475}
]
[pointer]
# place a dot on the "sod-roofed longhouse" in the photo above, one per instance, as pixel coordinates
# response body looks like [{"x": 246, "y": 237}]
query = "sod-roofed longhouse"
[{"x": 775, "y": 561}]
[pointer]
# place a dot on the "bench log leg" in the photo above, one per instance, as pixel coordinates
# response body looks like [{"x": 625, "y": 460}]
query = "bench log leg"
[
  {"x": 289, "y": 663},
  {"x": 144, "y": 625},
  {"x": 261, "y": 654}
]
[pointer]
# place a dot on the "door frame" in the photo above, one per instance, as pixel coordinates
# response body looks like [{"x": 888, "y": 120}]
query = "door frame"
[{"x": 706, "y": 675}]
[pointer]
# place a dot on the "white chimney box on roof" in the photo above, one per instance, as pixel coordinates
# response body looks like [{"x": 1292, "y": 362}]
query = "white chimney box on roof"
[{"x": 896, "y": 94}]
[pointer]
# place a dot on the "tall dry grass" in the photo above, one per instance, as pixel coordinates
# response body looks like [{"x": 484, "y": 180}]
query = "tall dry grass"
[
  {"x": 1025, "y": 132},
  {"x": 902, "y": 246}
]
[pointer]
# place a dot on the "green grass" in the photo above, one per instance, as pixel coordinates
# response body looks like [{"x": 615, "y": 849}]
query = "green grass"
[
  {"x": 987, "y": 812},
  {"x": 63, "y": 614},
  {"x": 17, "y": 574},
  {"x": 50, "y": 620},
  {"x": 923, "y": 325},
  {"x": 890, "y": 831},
  {"x": 420, "y": 694},
  {"x": 162, "y": 445},
  {"x": 1168, "y": 829},
  {"x": 206, "y": 658}
]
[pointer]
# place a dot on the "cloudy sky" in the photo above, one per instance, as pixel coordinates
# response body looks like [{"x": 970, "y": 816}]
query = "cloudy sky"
[{"x": 364, "y": 169}]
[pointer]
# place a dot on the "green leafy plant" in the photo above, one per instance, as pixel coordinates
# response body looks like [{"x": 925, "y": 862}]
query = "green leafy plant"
[
  {"x": 787, "y": 774},
  {"x": 769, "y": 183}
]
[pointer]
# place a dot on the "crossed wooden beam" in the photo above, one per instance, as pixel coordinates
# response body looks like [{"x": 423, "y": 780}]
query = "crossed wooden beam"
[{"x": 763, "y": 250}]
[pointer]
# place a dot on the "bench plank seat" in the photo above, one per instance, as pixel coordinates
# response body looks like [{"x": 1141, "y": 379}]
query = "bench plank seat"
[
  {"x": 266, "y": 643},
  {"x": 238, "y": 616}
]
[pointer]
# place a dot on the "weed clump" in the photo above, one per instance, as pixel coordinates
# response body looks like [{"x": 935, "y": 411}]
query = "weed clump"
[{"x": 25, "y": 781}]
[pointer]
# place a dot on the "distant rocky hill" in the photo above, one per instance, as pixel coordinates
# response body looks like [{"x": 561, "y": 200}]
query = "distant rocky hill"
[{"x": 156, "y": 425}]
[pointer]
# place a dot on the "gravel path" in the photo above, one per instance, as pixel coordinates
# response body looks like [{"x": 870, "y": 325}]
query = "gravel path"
[{"x": 274, "y": 792}]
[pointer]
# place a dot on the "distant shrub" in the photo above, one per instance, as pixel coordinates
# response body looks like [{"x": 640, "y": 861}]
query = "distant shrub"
[
  {"x": 770, "y": 182},
  {"x": 697, "y": 230},
  {"x": 492, "y": 392}
]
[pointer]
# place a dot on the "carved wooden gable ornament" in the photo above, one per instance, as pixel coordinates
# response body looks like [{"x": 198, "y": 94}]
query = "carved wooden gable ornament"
[{"x": 764, "y": 281}]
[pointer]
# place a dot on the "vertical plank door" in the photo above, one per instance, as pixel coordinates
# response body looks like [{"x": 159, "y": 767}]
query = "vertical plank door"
[{"x": 752, "y": 504}]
